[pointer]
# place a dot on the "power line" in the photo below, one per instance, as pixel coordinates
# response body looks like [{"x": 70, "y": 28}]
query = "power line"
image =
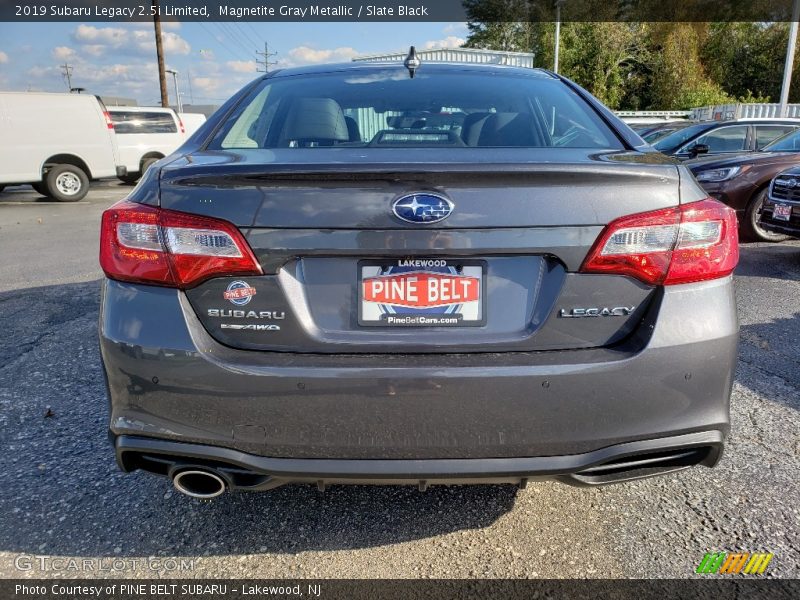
[
  {"x": 230, "y": 33},
  {"x": 253, "y": 29},
  {"x": 245, "y": 34},
  {"x": 222, "y": 44}
]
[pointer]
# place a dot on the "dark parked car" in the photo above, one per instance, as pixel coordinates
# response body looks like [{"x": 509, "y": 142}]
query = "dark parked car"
[
  {"x": 653, "y": 133},
  {"x": 476, "y": 274},
  {"x": 781, "y": 211},
  {"x": 742, "y": 181},
  {"x": 724, "y": 137}
]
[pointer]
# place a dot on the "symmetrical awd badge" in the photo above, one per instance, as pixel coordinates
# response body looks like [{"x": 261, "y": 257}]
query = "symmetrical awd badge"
[{"x": 423, "y": 207}]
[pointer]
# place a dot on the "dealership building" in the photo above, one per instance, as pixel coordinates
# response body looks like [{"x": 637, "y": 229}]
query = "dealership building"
[{"x": 467, "y": 55}]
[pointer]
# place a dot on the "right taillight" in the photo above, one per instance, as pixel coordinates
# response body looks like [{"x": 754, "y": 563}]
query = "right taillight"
[
  {"x": 152, "y": 245},
  {"x": 691, "y": 242}
]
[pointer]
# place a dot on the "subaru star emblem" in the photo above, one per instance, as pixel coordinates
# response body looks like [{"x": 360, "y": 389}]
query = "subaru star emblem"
[{"x": 422, "y": 208}]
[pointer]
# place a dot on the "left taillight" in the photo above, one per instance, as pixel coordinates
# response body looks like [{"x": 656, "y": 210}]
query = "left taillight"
[
  {"x": 145, "y": 244},
  {"x": 107, "y": 117}
]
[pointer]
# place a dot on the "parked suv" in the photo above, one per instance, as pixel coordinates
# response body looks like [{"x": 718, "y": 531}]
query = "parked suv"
[
  {"x": 508, "y": 286},
  {"x": 742, "y": 180},
  {"x": 724, "y": 137},
  {"x": 781, "y": 211},
  {"x": 145, "y": 134}
]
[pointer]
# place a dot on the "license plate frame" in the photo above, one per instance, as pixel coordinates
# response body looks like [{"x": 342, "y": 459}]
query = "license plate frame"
[
  {"x": 782, "y": 212},
  {"x": 434, "y": 317}
]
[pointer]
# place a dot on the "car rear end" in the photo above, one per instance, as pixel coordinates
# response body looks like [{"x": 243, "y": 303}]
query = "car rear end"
[{"x": 483, "y": 281}]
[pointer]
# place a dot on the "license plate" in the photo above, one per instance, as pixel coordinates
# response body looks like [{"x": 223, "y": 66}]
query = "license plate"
[
  {"x": 782, "y": 212},
  {"x": 421, "y": 292}
]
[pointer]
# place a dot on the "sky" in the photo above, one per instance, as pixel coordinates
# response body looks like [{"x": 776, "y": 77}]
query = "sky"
[{"x": 213, "y": 59}]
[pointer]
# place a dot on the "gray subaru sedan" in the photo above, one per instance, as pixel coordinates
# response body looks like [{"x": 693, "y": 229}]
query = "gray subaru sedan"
[{"x": 416, "y": 274}]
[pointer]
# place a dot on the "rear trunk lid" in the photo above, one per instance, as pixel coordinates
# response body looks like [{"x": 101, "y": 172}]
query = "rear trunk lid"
[{"x": 342, "y": 273}]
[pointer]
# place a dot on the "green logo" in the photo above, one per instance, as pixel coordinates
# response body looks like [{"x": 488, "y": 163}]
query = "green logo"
[{"x": 730, "y": 563}]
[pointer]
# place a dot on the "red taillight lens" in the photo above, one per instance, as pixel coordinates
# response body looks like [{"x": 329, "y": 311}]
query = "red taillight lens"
[
  {"x": 109, "y": 122},
  {"x": 691, "y": 242},
  {"x": 180, "y": 122},
  {"x": 163, "y": 247}
]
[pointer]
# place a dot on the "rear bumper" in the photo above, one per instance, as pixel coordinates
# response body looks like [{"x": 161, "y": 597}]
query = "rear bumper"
[
  {"x": 242, "y": 471},
  {"x": 784, "y": 227},
  {"x": 170, "y": 382},
  {"x": 790, "y": 227}
]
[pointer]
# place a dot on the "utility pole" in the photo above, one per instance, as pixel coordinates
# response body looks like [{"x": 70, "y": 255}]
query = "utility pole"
[
  {"x": 789, "y": 62},
  {"x": 67, "y": 74},
  {"x": 266, "y": 62},
  {"x": 189, "y": 80},
  {"x": 558, "y": 4},
  {"x": 162, "y": 77},
  {"x": 174, "y": 74}
]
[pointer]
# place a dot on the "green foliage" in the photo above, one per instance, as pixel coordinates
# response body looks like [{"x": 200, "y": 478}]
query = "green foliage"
[
  {"x": 746, "y": 58},
  {"x": 641, "y": 66},
  {"x": 679, "y": 79}
]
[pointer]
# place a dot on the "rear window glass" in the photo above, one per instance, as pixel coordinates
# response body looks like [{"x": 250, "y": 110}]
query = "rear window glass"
[
  {"x": 769, "y": 133},
  {"x": 386, "y": 108},
  {"x": 677, "y": 138},
  {"x": 788, "y": 143},
  {"x": 724, "y": 139},
  {"x": 143, "y": 122}
]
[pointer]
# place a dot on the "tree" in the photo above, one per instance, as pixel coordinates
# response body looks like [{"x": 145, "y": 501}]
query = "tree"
[
  {"x": 641, "y": 65},
  {"x": 746, "y": 59},
  {"x": 603, "y": 56},
  {"x": 679, "y": 80}
]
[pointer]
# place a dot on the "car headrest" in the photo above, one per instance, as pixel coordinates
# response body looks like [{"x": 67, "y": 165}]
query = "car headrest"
[
  {"x": 353, "y": 131},
  {"x": 471, "y": 127},
  {"x": 315, "y": 119},
  {"x": 508, "y": 129}
]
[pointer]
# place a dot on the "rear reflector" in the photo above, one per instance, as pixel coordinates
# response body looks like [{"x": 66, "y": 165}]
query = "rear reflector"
[
  {"x": 163, "y": 247},
  {"x": 691, "y": 242}
]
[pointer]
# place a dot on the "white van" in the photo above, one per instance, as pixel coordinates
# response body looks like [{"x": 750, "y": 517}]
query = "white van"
[
  {"x": 144, "y": 135},
  {"x": 192, "y": 122},
  {"x": 56, "y": 142}
]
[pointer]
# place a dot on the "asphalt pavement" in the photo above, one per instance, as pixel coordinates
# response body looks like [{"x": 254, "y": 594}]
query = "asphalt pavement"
[{"x": 62, "y": 496}]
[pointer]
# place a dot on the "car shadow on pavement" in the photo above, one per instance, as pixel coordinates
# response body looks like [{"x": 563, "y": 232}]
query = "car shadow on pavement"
[
  {"x": 773, "y": 349},
  {"x": 61, "y": 492},
  {"x": 774, "y": 261}
]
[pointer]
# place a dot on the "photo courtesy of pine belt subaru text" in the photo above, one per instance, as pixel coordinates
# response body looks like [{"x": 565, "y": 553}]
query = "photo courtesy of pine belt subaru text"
[{"x": 430, "y": 273}]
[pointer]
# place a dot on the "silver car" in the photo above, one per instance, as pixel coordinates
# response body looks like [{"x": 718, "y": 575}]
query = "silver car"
[{"x": 435, "y": 274}]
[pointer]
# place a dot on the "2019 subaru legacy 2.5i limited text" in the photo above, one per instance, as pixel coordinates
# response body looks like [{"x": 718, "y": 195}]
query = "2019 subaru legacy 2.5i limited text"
[{"x": 476, "y": 274}]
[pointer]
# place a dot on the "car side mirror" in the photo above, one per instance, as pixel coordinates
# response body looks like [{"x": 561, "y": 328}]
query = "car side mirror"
[{"x": 699, "y": 149}]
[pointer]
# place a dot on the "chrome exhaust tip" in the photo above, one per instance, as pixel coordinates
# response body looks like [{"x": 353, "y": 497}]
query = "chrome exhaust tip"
[{"x": 203, "y": 485}]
